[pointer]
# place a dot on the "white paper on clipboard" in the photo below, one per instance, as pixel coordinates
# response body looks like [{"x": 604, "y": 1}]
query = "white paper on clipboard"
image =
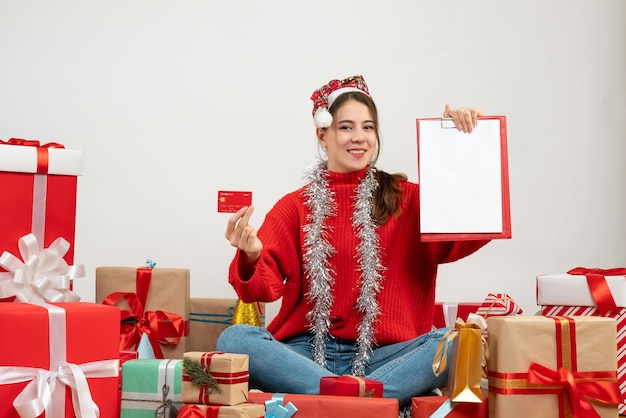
[{"x": 463, "y": 180}]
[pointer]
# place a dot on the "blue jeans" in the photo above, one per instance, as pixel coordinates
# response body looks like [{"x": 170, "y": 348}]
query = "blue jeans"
[{"x": 405, "y": 369}]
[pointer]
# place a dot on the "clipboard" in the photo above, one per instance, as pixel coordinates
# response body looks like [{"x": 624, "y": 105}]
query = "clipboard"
[{"x": 464, "y": 180}]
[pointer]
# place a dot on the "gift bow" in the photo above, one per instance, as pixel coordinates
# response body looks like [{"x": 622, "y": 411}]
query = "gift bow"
[
  {"x": 36, "y": 397},
  {"x": 598, "y": 286},
  {"x": 41, "y": 275},
  {"x": 42, "y": 150},
  {"x": 498, "y": 304},
  {"x": 274, "y": 407},
  {"x": 579, "y": 391},
  {"x": 161, "y": 327},
  {"x": 440, "y": 362}
]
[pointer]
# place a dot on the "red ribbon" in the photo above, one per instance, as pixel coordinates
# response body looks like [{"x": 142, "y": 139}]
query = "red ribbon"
[
  {"x": 42, "y": 151},
  {"x": 161, "y": 327},
  {"x": 598, "y": 286},
  {"x": 195, "y": 411}
]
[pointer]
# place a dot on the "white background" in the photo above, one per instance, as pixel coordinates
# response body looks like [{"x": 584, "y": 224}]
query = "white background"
[{"x": 172, "y": 101}]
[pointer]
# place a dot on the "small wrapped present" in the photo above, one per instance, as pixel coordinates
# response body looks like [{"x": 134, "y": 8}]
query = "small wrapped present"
[
  {"x": 498, "y": 304},
  {"x": 62, "y": 359},
  {"x": 151, "y": 388},
  {"x": 42, "y": 275},
  {"x": 552, "y": 367},
  {"x": 208, "y": 317},
  {"x": 467, "y": 359},
  {"x": 243, "y": 410},
  {"x": 349, "y": 385},
  {"x": 38, "y": 188},
  {"x": 154, "y": 301},
  {"x": 442, "y": 406},
  {"x": 495, "y": 304},
  {"x": 215, "y": 378},
  {"x": 328, "y": 406},
  {"x": 589, "y": 292},
  {"x": 446, "y": 313}
]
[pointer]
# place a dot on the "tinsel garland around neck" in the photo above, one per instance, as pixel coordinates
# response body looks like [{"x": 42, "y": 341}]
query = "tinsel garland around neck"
[{"x": 319, "y": 271}]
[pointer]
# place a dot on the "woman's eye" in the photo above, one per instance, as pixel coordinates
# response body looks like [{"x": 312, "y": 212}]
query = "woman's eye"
[{"x": 344, "y": 128}]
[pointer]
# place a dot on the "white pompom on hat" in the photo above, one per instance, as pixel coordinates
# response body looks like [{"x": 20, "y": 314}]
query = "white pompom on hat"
[{"x": 324, "y": 97}]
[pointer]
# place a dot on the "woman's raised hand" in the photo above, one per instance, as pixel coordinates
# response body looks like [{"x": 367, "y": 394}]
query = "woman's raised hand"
[
  {"x": 465, "y": 118},
  {"x": 242, "y": 235}
]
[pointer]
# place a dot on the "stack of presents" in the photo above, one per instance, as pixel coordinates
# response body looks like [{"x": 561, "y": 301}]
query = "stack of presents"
[{"x": 144, "y": 348}]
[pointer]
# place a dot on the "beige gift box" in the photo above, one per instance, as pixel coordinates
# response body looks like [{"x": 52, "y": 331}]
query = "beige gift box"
[
  {"x": 208, "y": 318},
  {"x": 168, "y": 292},
  {"x": 579, "y": 348},
  {"x": 230, "y": 374}
]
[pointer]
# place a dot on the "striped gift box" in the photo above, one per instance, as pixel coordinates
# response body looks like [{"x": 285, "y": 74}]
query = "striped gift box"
[
  {"x": 498, "y": 304},
  {"x": 620, "y": 317}
]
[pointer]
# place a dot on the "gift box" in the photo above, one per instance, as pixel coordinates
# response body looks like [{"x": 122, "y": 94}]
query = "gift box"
[
  {"x": 215, "y": 378},
  {"x": 328, "y": 406},
  {"x": 349, "y": 385},
  {"x": 208, "y": 317},
  {"x": 446, "y": 313},
  {"x": 154, "y": 301},
  {"x": 38, "y": 187},
  {"x": 552, "y": 367},
  {"x": 495, "y": 304},
  {"x": 151, "y": 388},
  {"x": 589, "y": 292},
  {"x": 68, "y": 350},
  {"x": 442, "y": 406},
  {"x": 244, "y": 410}
]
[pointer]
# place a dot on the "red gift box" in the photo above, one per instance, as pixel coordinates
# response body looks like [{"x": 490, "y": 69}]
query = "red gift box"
[
  {"x": 72, "y": 348},
  {"x": 38, "y": 189},
  {"x": 446, "y": 314},
  {"x": 248, "y": 410},
  {"x": 350, "y": 386},
  {"x": 328, "y": 406},
  {"x": 426, "y": 406}
]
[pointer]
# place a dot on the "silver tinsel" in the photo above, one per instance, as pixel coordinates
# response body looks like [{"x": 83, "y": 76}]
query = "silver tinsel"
[{"x": 317, "y": 251}]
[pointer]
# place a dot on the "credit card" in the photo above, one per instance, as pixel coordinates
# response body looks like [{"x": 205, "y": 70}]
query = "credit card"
[{"x": 232, "y": 201}]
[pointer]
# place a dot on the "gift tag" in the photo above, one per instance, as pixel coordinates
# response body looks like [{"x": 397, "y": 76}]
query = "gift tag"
[{"x": 232, "y": 201}]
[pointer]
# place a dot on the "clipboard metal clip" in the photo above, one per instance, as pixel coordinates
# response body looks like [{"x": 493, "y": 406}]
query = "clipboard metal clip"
[{"x": 447, "y": 123}]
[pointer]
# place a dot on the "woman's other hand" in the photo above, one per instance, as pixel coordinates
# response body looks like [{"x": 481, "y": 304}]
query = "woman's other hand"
[
  {"x": 465, "y": 118},
  {"x": 242, "y": 235}
]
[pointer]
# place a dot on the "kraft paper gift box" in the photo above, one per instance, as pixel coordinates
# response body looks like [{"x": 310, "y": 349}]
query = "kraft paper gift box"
[
  {"x": 589, "y": 292},
  {"x": 66, "y": 348},
  {"x": 226, "y": 373},
  {"x": 349, "y": 385},
  {"x": 151, "y": 388},
  {"x": 154, "y": 301},
  {"x": 208, "y": 318},
  {"x": 244, "y": 410},
  {"x": 38, "y": 185},
  {"x": 442, "y": 406},
  {"x": 552, "y": 367},
  {"x": 328, "y": 406}
]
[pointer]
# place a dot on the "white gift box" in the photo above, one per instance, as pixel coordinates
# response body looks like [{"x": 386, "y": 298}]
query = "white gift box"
[{"x": 572, "y": 290}]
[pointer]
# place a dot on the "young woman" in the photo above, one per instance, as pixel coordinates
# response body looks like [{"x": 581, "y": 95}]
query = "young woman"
[{"x": 344, "y": 254}]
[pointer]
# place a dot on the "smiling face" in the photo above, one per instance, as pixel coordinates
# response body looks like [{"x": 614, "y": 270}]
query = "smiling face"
[{"x": 352, "y": 138}]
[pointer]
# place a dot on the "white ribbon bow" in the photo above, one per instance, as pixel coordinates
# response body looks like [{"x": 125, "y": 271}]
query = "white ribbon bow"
[
  {"x": 36, "y": 397},
  {"x": 41, "y": 275}
]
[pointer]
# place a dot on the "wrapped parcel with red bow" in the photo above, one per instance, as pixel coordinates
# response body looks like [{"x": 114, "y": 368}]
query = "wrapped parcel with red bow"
[
  {"x": 555, "y": 366},
  {"x": 589, "y": 292},
  {"x": 154, "y": 302}
]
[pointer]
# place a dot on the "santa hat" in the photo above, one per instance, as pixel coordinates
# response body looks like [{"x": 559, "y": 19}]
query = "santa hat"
[{"x": 324, "y": 97}]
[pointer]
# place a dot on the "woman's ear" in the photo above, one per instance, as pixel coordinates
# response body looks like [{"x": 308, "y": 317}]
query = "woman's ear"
[{"x": 321, "y": 136}]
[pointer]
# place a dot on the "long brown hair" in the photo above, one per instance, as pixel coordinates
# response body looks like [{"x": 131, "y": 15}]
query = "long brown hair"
[{"x": 388, "y": 194}]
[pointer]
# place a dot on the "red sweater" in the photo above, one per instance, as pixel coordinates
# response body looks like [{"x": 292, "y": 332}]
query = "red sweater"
[{"x": 407, "y": 298}]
